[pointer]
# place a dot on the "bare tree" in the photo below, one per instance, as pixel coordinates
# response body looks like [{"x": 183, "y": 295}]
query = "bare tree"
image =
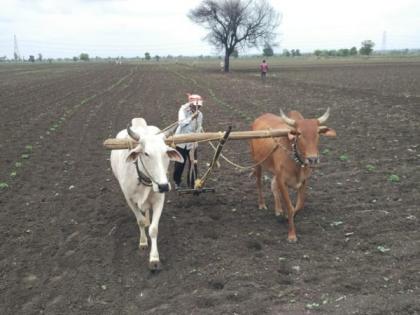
[{"x": 236, "y": 23}]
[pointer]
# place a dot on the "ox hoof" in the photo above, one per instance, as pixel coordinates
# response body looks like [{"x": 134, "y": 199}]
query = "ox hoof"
[
  {"x": 155, "y": 265},
  {"x": 279, "y": 212},
  {"x": 143, "y": 247},
  {"x": 292, "y": 240},
  {"x": 262, "y": 207}
]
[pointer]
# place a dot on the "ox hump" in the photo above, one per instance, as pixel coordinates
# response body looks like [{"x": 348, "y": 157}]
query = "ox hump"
[
  {"x": 139, "y": 122},
  {"x": 294, "y": 114}
]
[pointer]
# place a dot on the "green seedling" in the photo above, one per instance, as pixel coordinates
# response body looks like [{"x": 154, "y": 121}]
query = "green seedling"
[
  {"x": 394, "y": 178},
  {"x": 28, "y": 147},
  {"x": 25, "y": 156},
  {"x": 13, "y": 174},
  {"x": 344, "y": 157},
  {"x": 52, "y": 129},
  {"x": 3, "y": 185},
  {"x": 326, "y": 151},
  {"x": 312, "y": 306},
  {"x": 383, "y": 249},
  {"x": 370, "y": 167},
  {"x": 18, "y": 164}
]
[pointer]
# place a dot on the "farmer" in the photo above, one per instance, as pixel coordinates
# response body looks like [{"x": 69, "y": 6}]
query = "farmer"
[
  {"x": 264, "y": 70},
  {"x": 190, "y": 120}
]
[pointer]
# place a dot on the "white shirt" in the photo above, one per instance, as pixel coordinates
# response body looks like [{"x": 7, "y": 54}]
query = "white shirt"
[{"x": 188, "y": 125}]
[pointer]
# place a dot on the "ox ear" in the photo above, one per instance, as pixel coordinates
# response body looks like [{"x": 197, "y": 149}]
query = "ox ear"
[
  {"x": 328, "y": 132},
  {"x": 293, "y": 134},
  {"x": 174, "y": 155},
  {"x": 134, "y": 154}
]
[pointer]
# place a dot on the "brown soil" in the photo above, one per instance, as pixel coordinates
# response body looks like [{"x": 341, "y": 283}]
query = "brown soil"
[{"x": 69, "y": 241}]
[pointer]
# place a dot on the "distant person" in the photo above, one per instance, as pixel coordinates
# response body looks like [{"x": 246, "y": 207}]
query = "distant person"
[
  {"x": 222, "y": 66},
  {"x": 263, "y": 70},
  {"x": 190, "y": 120}
]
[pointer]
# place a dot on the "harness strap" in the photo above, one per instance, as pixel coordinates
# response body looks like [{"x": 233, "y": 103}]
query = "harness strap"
[{"x": 143, "y": 179}]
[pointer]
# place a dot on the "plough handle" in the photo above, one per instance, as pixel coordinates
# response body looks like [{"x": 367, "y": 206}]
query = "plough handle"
[{"x": 199, "y": 183}]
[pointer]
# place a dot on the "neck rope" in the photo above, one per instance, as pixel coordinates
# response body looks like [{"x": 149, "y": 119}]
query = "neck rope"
[{"x": 295, "y": 154}]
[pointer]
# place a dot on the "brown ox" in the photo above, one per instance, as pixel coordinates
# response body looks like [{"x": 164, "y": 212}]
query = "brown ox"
[{"x": 290, "y": 159}]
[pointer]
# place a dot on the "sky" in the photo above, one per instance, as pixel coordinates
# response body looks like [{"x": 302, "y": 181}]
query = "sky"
[{"x": 66, "y": 28}]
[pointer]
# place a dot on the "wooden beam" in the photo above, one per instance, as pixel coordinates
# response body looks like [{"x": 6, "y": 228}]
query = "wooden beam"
[{"x": 120, "y": 144}]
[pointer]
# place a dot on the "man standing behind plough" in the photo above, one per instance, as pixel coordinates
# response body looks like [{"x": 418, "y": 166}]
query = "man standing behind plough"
[{"x": 190, "y": 120}]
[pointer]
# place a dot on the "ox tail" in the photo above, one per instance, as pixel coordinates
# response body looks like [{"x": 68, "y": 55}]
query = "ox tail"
[{"x": 138, "y": 122}]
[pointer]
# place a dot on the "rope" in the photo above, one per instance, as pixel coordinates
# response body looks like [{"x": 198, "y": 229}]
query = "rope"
[
  {"x": 176, "y": 123},
  {"x": 274, "y": 148},
  {"x": 169, "y": 127}
]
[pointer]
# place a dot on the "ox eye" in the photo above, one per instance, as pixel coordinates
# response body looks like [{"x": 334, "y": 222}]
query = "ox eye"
[{"x": 146, "y": 154}]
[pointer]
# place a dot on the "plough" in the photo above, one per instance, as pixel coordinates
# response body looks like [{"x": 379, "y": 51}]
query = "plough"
[
  {"x": 199, "y": 182},
  {"x": 222, "y": 137}
]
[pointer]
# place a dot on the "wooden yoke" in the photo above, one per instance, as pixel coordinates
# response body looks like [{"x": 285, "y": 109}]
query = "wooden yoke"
[{"x": 121, "y": 144}]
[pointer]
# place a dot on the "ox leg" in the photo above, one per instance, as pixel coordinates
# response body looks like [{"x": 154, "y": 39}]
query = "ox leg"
[
  {"x": 142, "y": 222},
  {"x": 258, "y": 177},
  {"x": 277, "y": 203},
  {"x": 291, "y": 237},
  {"x": 154, "y": 262},
  {"x": 300, "y": 197}
]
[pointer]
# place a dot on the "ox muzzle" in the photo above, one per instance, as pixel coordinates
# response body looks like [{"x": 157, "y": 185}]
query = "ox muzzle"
[
  {"x": 163, "y": 188},
  {"x": 312, "y": 161}
]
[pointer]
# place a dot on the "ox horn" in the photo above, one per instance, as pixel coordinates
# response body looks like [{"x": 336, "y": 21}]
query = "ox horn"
[
  {"x": 132, "y": 134},
  {"x": 324, "y": 117},
  {"x": 287, "y": 120}
]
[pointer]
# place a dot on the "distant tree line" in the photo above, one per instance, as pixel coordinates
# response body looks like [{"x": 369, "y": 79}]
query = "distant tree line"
[
  {"x": 291, "y": 53},
  {"x": 366, "y": 49},
  {"x": 344, "y": 52},
  {"x": 32, "y": 58}
]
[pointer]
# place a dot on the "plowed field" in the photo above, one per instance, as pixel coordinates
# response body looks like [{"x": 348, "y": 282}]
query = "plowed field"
[{"x": 69, "y": 243}]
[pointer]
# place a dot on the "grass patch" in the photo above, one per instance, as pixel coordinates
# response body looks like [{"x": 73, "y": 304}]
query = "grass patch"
[
  {"x": 344, "y": 157},
  {"x": 3, "y": 185},
  {"x": 370, "y": 167},
  {"x": 394, "y": 178}
]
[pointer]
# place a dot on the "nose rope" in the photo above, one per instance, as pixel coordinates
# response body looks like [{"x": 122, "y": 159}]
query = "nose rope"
[
  {"x": 147, "y": 173},
  {"x": 145, "y": 179}
]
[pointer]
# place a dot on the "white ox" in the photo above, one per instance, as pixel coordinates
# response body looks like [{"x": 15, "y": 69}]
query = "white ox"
[{"x": 142, "y": 175}]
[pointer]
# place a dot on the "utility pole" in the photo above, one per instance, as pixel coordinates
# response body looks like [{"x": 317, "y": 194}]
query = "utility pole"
[
  {"x": 16, "y": 53},
  {"x": 383, "y": 48}
]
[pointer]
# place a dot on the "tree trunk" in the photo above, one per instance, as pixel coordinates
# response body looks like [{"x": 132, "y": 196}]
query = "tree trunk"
[{"x": 226, "y": 61}]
